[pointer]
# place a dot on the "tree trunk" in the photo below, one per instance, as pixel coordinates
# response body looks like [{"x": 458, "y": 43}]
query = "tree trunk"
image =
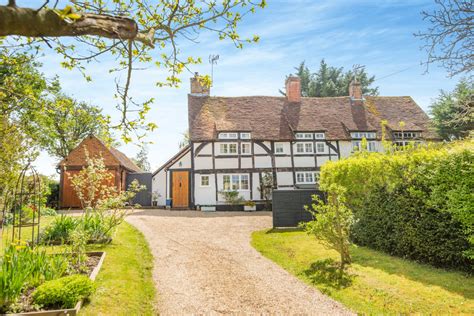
[{"x": 46, "y": 23}]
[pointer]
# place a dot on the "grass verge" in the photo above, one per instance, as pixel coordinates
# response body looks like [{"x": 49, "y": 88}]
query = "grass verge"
[
  {"x": 376, "y": 283},
  {"x": 124, "y": 284}
]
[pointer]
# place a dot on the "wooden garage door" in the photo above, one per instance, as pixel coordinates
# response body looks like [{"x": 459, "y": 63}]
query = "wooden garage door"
[{"x": 180, "y": 189}]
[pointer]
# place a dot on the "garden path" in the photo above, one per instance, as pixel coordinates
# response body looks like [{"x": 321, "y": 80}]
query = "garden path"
[{"x": 204, "y": 264}]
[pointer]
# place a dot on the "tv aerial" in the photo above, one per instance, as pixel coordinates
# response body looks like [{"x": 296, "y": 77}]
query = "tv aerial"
[
  {"x": 213, "y": 61},
  {"x": 355, "y": 70}
]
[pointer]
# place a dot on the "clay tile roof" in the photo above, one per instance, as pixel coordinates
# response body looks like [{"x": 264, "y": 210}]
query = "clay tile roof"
[
  {"x": 273, "y": 118},
  {"x": 124, "y": 160}
]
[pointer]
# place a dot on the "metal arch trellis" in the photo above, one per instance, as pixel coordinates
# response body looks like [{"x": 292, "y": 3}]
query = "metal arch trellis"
[{"x": 25, "y": 206}]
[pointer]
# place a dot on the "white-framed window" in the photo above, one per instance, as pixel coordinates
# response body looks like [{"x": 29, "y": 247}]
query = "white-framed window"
[
  {"x": 366, "y": 135},
  {"x": 235, "y": 182},
  {"x": 357, "y": 145},
  {"x": 228, "y": 148},
  {"x": 306, "y": 147},
  {"x": 320, "y": 147},
  {"x": 228, "y": 135},
  {"x": 371, "y": 146},
  {"x": 307, "y": 177},
  {"x": 204, "y": 180},
  {"x": 304, "y": 135},
  {"x": 279, "y": 149},
  {"x": 245, "y": 135},
  {"x": 406, "y": 135},
  {"x": 319, "y": 136},
  {"x": 246, "y": 148}
]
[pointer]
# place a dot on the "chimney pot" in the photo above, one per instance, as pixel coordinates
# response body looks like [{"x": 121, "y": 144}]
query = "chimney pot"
[
  {"x": 197, "y": 88},
  {"x": 293, "y": 89},
  {"x": 355, "y": 92}
]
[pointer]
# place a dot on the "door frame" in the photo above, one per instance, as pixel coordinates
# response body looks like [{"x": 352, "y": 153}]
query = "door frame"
[{"x": 190, "y": 186}]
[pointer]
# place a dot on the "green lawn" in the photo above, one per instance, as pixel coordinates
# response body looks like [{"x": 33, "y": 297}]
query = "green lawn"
[
  {"x": 124, "y": 283},
  {"x": 377, "y": 283}
]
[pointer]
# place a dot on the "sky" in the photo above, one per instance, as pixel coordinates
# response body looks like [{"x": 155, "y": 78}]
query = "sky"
[{"x": 374, "y": 33}]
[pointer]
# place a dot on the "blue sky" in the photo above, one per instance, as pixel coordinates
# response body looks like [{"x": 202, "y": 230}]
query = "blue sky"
[{"x": 377, "y": 34}]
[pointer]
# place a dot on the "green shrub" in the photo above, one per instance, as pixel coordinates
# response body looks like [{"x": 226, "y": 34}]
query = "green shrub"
[
  {"x": 64, "y": 292},
  {"x": 59, "y": 231},
  {"x": 47, "y": 211},
  {"x": 415, "y": 203},
  {"x": 98, "y": 228}
]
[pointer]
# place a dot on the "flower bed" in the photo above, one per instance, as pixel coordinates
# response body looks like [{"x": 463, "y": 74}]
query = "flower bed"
[{"x": 94, "y": 263}]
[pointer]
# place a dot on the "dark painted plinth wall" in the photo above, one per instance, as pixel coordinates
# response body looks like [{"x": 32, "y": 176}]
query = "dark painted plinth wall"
[
  {"x": 143, "y": 197},
  {"x": 288, "y": 207}
]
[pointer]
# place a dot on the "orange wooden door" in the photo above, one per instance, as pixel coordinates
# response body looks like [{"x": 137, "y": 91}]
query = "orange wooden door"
[{"x": 180, "y": 189}]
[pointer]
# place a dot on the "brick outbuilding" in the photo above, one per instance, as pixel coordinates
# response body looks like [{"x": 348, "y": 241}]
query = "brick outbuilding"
[{"x": 118, "y": 164}]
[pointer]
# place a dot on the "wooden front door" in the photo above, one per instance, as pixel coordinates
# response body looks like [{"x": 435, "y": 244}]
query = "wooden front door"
[{"x": 180, "y": 189}]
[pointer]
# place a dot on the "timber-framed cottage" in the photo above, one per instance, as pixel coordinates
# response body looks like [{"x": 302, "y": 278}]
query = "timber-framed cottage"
[{"x": 235, "y": 141}]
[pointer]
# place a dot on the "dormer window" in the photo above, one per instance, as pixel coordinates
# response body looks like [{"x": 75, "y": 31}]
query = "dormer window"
[
  {"x": 304, "y": 135},
  {"x": 319, "y": 136},
  {"x": 310, "y": 135},
  {"x": 366, "y": 135},
  {"x": 406, "y": 135},
  {"x": 228, "y": 135}
]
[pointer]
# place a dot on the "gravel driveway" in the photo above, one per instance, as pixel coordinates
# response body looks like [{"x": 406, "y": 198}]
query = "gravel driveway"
[{"x": 204, "y": 264}]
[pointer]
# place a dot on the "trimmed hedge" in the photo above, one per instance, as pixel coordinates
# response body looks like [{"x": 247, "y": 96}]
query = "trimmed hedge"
[
  {"x": 64, "y": 292},
  {"x": 417, "y": 203}
]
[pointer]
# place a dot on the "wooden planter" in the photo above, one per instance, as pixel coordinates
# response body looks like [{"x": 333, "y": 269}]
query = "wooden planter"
[{"x": 69, "y": 311}]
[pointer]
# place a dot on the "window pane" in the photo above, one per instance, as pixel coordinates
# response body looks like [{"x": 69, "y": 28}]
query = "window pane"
[
  {"x": 320, "y": 147},
  {"x": 204, "y": 181},
  {"x": 308, "y": 147},
  {"x": 299, "y": 177},
  {"x": 246, "y": 148},
  {"x": 235, "y": 182},
  {"x": 244, "y": 182},
  {"x": 308, "y": 136},
  {"x": 309, "y": 177},
  {"x": 232, "y": 148},
  {"x": 226, "y": 183},
  {"x": 245, "y": 135},
  {"x": 223, "y": 148},
  {"x": 279, "y": 148},
  {"x": 371, "y": 146},
  {"x": 232, "y": 135},
  {"x": 356, "y": 145},
  {"x": 299, "y": 148}
]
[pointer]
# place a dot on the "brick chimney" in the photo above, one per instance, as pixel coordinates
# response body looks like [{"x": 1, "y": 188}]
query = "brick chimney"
[
  {"x": 197, "y": 88},
  {"x": 293, "y": 89},
  {"x": 355, "y": 92}
]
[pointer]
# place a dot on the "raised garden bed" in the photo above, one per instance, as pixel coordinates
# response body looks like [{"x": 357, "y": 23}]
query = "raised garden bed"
[{"x": 95, "y": 261}]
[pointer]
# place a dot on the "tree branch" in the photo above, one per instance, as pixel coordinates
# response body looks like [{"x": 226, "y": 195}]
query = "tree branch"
[{"x": 47, "y": 23}]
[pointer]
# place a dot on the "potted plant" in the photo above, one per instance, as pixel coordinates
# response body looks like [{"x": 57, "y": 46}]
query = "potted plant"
[
  {"x": 250, "y": 206},
  {"x": 154, "y": 198},
  {"x": 208, "y": 208}
]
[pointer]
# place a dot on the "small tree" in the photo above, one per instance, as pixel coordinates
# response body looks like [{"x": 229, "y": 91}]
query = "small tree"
[
  {"x": 99, "y": 197},
  {"x": 332, "y": 223},
  {"x": 266, "y": 188},
  {"x": 232, "y": 197},
  {"x": 93, "y": 183}
]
